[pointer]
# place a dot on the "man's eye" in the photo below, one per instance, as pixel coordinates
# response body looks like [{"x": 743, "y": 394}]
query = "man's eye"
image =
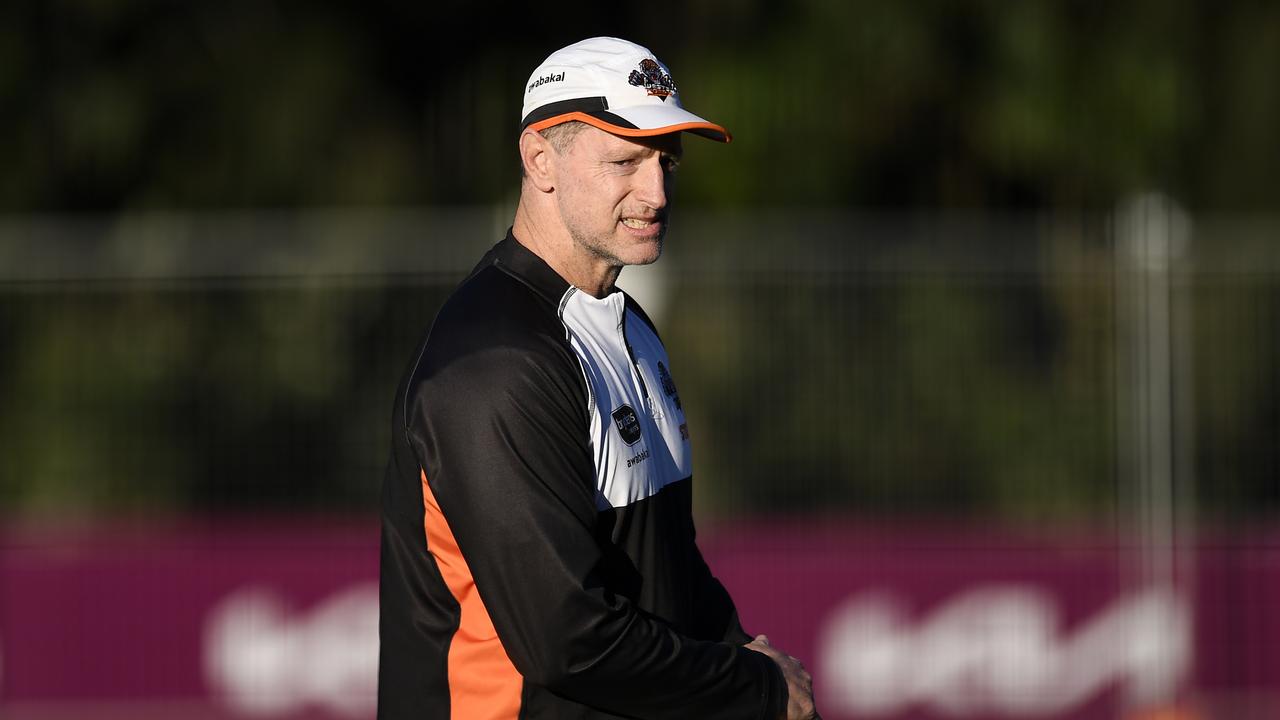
[{"x": 671, "y": 164}]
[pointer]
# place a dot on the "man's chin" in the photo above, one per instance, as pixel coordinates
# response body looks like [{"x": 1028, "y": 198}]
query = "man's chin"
[{"x": 645, "y": 254}]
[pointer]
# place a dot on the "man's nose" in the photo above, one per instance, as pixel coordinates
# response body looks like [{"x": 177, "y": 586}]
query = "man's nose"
[{"x": 651, "y": 183}]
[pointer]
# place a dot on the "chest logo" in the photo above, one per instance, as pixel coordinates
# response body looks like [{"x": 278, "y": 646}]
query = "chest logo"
[
  {"x": 668, "y": 385},
  {"x": 624, "y": 418}
]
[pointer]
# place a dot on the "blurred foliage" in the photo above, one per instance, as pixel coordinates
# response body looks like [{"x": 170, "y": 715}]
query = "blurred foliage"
[
  {"x": 147, "y": 104},
  {"x": 140, "y": 396},
  {"x": 829, "y": 362},
  {"x": 831, "y": 383},
  {"x": 1237, "y": 380},
  {"x": 818, "y": 384}
]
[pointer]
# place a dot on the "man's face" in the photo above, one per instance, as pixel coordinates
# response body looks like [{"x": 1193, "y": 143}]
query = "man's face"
[{"x": 613, "y": 194}]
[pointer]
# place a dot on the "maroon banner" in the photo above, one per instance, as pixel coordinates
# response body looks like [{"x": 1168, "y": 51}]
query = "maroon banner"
[{"x": 277, "y": 618}]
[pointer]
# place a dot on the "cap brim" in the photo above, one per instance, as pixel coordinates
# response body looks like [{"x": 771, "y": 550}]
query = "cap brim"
[{"x": 637, "y": 121}]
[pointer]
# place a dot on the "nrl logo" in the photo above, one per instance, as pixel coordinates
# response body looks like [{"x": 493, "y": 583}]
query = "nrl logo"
[{"x": 651, "y": 78}]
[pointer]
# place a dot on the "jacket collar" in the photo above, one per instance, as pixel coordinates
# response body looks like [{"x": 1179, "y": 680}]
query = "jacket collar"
[{"x": 521, "y": 263}]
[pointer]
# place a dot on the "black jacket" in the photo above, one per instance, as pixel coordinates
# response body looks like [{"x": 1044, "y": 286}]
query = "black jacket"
[{"x": 538, "y": 555}]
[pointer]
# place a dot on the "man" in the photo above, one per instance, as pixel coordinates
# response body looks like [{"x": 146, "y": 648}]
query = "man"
[{"x": 538, "y": 555}]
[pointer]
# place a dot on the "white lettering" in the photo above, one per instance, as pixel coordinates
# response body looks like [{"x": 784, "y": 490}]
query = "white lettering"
[
  {"x": 267, "y": 660},
  {"x": 997, "y": 650}
]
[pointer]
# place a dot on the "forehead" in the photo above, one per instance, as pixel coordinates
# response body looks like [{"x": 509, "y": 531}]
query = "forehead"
[{"x": 597, "y": 140}]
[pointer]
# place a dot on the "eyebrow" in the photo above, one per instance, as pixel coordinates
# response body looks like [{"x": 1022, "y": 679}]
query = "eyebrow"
[{"x": 644, "y": 151}]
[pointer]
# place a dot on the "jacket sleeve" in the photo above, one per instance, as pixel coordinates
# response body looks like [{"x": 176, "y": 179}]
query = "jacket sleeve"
[{"x": 501, "y": 433}]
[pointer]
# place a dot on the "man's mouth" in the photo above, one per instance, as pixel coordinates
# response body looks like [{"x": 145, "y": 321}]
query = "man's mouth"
[{"x": 637, "y": 223}]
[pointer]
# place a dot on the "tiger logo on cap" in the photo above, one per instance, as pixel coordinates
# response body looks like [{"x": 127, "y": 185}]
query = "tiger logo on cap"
[{"x": 650, "y": 77}]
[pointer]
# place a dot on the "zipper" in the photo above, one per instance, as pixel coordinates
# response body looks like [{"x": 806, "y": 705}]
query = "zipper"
[
  {"x": 649, "y": 405},
  {"x": 635, "y": 367}
]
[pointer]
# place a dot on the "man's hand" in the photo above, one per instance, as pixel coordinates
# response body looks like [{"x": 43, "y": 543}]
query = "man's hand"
[{"x": 799, "y": 683}]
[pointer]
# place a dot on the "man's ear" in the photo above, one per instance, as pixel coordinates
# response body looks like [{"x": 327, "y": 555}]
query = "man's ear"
[{"x": 538, "y": 158}]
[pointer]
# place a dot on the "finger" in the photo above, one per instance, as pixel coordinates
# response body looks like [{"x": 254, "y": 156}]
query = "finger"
[{"x": 767, "y": 651}]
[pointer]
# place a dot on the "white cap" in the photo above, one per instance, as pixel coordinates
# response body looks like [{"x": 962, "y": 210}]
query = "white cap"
[{"x": 615, "y": 85}]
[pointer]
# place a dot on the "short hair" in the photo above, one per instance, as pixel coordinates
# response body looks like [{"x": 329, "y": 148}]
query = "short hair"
[{"x": 560, "y": 136}]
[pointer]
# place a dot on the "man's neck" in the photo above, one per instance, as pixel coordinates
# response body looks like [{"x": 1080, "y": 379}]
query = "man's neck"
[{"x": 547, "y": 238}]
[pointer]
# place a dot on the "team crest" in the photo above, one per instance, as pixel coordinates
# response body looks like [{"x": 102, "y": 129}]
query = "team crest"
[
  {"x": 668, "y": 385},
  {"x": 650, "y": 77}
]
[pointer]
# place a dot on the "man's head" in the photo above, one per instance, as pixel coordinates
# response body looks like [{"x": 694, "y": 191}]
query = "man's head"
[
  {"x": 609, "y": 194},
  {"x": 600, "y": 139}
]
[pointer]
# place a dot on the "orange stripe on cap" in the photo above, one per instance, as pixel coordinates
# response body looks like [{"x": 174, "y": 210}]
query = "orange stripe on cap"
[
  {"x": 631, "y": 132},
  {"x": 483, "y": 684}
]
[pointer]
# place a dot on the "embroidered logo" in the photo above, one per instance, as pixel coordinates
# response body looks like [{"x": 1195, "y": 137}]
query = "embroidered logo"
[
  {"x": 624, "y": 418},
  {"x": 650, "y": 77},
  {"x": 668, "y": 385}
]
